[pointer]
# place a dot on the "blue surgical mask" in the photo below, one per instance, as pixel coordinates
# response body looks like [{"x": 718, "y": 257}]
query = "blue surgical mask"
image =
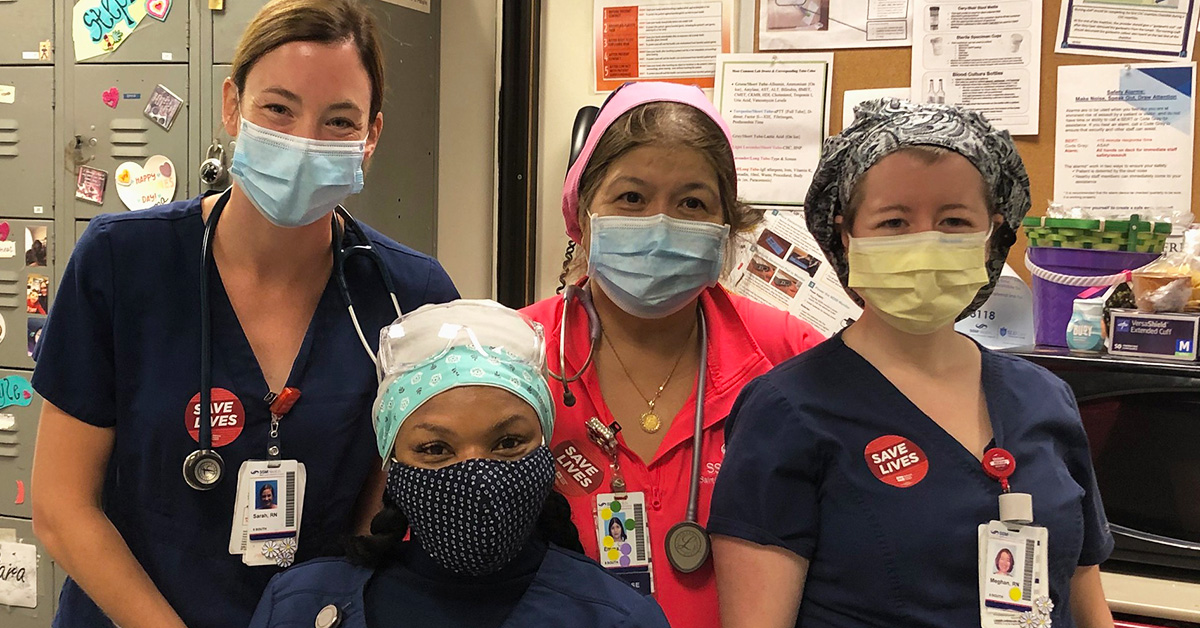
[
  {"x": 294, "y": 181},
  {"x": 653, "y": 266}
]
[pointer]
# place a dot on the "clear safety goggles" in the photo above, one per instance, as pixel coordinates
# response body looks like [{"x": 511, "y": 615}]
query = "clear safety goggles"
[{"x": 430, "y": 331}]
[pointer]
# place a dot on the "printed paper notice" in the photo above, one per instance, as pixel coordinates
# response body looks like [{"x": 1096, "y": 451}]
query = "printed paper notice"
[
  {"x": 18, "y": 575},
  {"x": 1123, "y": 140},
  {"x": 777, "y": 107},
  {"x": 660, "y": 41},
  {"x": 984, "y": 56},
  {"x": 784, "y": 267},
  {"x": 101, "y": 26},
  {"x": 813, "y": 24},
  {"x": 1157, "y": 30}
]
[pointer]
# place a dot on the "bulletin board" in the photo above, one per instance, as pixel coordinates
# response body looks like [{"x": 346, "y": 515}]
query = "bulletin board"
[{"x": 867, "y": 68}]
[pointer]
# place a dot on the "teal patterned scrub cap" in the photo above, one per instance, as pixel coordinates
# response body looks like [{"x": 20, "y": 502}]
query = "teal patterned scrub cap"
[{"x": 462, "y": 343}]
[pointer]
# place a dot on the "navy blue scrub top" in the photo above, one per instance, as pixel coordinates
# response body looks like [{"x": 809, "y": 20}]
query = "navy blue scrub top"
[
  {"x": 796, "y": 475},
  {"x": 121, "y": 349}
]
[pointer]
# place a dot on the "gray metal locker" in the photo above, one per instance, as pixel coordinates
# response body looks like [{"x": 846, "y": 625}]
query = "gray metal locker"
[
  {"x": 48, "y": 584},
  {"x": 27, "y": 146},
  {"x": 222, "y": 139},
  {"x": 18, "y": 429},
  {"x": 27, "y": 282},
  {"x": 227, "y": 30},
  {"x": 29, "y": 39},
  {"x": 111, "y": 136},
  {"x": 151, "y": 41},
  {"x": 80, "y": 227},
  {"x": 400, "y": 194}
]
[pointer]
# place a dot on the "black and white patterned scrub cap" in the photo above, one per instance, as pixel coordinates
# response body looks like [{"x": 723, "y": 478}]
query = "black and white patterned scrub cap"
[{"x": 882, "y": 127}]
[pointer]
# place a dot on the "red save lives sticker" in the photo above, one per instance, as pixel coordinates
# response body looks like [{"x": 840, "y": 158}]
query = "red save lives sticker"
[
  {"x": 897, "y": 461},
  {"x": 228, "y": 417},
  {"x": 575, "y": 472}
]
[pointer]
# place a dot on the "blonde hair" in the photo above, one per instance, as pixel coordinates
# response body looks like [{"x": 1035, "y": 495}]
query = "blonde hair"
[{"x": 324, "y": 21}]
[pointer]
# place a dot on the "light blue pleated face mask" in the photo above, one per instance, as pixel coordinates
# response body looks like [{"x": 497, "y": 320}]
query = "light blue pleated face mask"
[
  {"x": 292, "y": 180},
  {"x": 652, "y": 266}
]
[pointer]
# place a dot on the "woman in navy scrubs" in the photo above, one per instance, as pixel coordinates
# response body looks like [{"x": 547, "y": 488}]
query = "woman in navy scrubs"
[
  {"x": 463, "y": 422},
  {"x": 119, "y": 362},
  {"x": 853, "y": 486}
]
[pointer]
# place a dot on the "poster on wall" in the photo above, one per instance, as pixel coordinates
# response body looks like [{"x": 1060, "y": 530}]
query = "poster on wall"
[
  {"x": 984, "y": 56},
  {"x": 825, "y": 24},
  {"x": 660, "y": 40},
  {"x": 783, "y": 266},
  {"x": 1123, "y": 141},
  {"x": 777, "y": 107},
  {"x": 1155, "y": 30}
]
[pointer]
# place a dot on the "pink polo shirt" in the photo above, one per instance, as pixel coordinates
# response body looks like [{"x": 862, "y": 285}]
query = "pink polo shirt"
[{"x": 745, "y": 339}]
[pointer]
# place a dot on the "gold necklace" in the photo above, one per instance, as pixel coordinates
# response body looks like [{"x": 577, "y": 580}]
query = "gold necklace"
[{"x": 649, "y": 420}]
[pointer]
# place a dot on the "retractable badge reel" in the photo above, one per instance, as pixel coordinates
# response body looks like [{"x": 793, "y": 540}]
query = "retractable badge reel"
[
  {"x": 1014, "y": 587},
  {"x": 999, "y": 465}
]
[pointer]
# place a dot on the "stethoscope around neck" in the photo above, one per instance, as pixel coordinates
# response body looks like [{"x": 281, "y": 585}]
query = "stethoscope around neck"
[
  {"x": 204, "y": 468},
  {"x": 687, "y": 543}
]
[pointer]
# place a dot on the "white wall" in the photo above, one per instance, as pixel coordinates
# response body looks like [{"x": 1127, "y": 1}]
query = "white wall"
[
  {"x": 566, "y": 85},
  {"x": 467, "y": 144}
]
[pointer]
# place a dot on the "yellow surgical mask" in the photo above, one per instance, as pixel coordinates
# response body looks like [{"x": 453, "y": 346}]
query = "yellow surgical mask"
[{"x": 919, "y": 282}]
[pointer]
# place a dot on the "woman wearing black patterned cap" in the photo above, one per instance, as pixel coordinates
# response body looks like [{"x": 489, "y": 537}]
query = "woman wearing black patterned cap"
[{"x": 854, "y": 484}]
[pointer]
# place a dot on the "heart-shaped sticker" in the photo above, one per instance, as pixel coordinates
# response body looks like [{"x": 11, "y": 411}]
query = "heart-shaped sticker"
[
  {"x": 4, "y": 231},
  {"x": 141, "y": 187},
  {"x": 111, "y": 97},
  {"x": 158, "y": 9}
]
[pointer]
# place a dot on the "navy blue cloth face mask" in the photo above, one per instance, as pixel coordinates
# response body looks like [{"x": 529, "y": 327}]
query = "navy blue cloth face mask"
[{"x": 473, "y": 517}]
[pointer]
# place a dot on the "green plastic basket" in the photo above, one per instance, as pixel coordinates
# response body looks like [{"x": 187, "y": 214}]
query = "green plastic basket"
[{"x": 1133, "y": 235}]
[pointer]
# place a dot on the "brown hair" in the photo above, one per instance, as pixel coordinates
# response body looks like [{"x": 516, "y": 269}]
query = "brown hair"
[
  {"x": 927, "y": 154},
  {"x": 323, "y": 21},
  {"x": 670, "y": 124}
]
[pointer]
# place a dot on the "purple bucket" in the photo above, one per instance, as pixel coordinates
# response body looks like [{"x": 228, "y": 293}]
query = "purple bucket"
[{"x": 1053, "y": 302}]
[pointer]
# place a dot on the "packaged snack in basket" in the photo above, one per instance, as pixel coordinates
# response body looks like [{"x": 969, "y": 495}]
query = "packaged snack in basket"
[{"x": 1171, "y": 283}]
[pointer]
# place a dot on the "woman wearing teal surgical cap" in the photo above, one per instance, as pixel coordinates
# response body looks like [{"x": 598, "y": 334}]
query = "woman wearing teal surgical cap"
[{"x": 462, "y": 421}]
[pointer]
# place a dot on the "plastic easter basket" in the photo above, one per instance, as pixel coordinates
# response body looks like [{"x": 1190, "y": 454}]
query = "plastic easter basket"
[{"x": 1133, "y": 235}]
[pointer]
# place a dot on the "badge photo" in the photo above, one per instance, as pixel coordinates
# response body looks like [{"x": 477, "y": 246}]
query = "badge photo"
[{"x": 623, "y": 538}]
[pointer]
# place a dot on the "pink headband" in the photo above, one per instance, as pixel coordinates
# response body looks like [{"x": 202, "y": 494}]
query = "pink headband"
[{"x": 622, "y": 100}]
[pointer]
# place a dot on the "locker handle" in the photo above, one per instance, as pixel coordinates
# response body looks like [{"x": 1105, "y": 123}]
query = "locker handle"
[{"x": 76, "y": 148}]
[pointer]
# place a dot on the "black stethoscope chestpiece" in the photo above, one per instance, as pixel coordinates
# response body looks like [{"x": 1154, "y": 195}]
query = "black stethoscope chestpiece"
[
  {"x": 203, "y": 469},
  {"x": 687, "y": 546}
]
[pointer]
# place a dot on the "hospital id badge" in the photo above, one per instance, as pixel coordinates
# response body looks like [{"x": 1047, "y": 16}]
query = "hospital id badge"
[
  {"x": 268, "y": 511},
  {"x": 624, "y": 538},
  {"x": 1014, "y": 585}
]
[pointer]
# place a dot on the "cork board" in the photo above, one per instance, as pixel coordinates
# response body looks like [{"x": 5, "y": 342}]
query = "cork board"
[{"x": 868, "y": 68}]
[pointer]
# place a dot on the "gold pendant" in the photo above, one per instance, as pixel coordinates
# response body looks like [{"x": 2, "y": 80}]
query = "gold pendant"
[{"x": 651, "y": 422}]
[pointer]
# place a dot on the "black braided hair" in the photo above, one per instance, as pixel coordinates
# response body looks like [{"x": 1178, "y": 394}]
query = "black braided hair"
[
  {"x": 555, "y": 525},
  {"x": 388, "y": 528},
  {"x": 566, "y": 267}
]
